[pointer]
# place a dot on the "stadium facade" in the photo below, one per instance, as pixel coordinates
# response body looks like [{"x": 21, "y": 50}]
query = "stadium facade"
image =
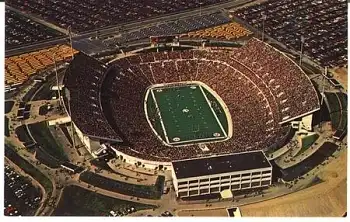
[{"x": 212, "y": 175}]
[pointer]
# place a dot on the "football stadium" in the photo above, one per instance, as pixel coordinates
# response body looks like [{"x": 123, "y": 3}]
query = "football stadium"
[
  {"x": 176, "y": 108},
  {"x": 158, "y": 107}
]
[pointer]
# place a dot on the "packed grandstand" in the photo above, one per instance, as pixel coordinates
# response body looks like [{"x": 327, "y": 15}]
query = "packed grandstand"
[{"x": 262, "y": 88}]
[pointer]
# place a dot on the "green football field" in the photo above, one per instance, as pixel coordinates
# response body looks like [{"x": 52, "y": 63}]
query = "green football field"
[{"x": 185, "y": 115}]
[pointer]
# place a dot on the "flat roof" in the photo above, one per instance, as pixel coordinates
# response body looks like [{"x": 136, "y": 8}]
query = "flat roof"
[{"x": 220, "y": 164}]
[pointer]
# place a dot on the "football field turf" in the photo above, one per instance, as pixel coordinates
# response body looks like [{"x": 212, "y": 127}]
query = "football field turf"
[{"x": 186, "y": 115}]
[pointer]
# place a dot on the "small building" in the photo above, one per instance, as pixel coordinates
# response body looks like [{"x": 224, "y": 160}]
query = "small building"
[
  {"x": 71, "y": 167},
  {"x": 209, "y": 175}
]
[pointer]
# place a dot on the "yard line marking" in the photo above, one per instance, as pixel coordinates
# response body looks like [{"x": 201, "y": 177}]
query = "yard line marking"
[
  {"x": 160, "y": 117},
  {"x": 209, "y": 104}
]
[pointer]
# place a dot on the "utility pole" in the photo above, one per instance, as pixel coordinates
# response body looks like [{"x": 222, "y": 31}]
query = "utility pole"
[
  {"x": 58, "y": 86},
  {"x": 302, "y": 40},
  {"x": 70, "y": 114},
  {"x": 67, "y": 94},
  {"x": 70, "y": 40},
  {"x": 322, "y": 93}
]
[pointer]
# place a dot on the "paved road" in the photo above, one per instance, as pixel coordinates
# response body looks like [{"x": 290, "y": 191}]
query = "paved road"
[{"x": 116, "y": 29}]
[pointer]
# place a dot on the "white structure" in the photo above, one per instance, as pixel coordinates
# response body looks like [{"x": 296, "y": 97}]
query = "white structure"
[
  {"x": 210, "y": 175},
  {"x": 234, "y": 212}
]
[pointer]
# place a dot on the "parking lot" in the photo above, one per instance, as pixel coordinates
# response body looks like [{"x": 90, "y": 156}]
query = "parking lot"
[
  {"x": 320, "y": 25},
  {"x": 88, "y": 15},
  {"x": 21, "y": 30},
  {"x": 21, "y": 197}
]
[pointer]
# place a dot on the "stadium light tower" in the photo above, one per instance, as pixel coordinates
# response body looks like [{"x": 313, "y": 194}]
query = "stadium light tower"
[
  {"x": 322, "y": 94},
  {"x": 263, "y": 26},
  {"x": 58, "y": 86},
  {"x": 70, "y": 40},
  {"x": 67, "y": 95},
  {"x": 302, "y": 40}
]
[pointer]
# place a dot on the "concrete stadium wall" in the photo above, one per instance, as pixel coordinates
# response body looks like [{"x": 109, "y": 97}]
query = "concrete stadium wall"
[
  {"x": 84, "y": 139},
  {"x": 148, "y": 163}
]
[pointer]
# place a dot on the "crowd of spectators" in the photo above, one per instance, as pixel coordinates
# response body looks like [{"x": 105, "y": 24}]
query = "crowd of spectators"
[
  {"x": 19, "y": 68},
  {"x": 322, "y": 25},
  {"x": 260, "y": 86},
  {"x": 170, "y": 28},
  {"x": 291, "y": 88},
  {"x": 89, "y": 15},
  {"x": 20, "y": 30},
  {"x": 83, "y": 79}
]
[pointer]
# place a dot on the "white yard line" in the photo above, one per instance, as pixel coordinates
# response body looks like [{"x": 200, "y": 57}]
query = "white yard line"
[
  {"x": 206, "y": 98},
  {"x": 160, "y": 117}
]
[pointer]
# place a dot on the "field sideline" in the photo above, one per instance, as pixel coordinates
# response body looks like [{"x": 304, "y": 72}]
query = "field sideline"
[{"x": 185, "y": 114}]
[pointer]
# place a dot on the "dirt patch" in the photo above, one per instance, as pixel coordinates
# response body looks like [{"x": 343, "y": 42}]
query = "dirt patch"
[
  {"x": 324, "y": 199},
  {"x": 341, "y": 75},
  {"x": 327, "y": 175}
]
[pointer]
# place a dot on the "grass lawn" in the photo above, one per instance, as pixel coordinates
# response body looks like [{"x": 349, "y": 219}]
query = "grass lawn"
[
  {"x": 8, "y": 106},
  {"x": 77, "y": 201},
  {"x": 136, "y": 190},
  {"x": 22, "y": 134},
  {"x": 307, "y": 142},
  {"x": 219, "y": 110},
  {"x": 7, "y": 129},
  {"x": 46, "y": 158},
  {"x": 186, "y": 115},
  {"x": 45, "y": 139},
  {"x": 343, "y": 98},
  {"x": 333, "y": 102},
  {"x": 28, "y": 168}
]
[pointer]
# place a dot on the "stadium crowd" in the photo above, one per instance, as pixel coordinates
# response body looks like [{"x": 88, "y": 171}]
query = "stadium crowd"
[
  {"x": 89, "y": 15},
  {"x": 83, "y": 79},
  {"x": 260, "y": 86},
  {"x": 321, "y": 24},
  {"x": 21, "y": 30},
  {"x": 282, "y": 76}
]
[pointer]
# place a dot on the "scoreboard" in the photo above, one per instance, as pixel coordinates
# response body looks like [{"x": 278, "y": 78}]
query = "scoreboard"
[{"x": 164, "y": 40}]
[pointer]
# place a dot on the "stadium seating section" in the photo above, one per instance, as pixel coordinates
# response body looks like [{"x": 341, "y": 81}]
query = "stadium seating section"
[
  {"x": 21, "y": 30},
  {"x": 261, "y": 87},
  {"x": 83, "y": 78},
  {"x": 19, "y": 68},
  {"x": 230, "y": 31},
  {"x": 322, "y": 24},
  {"x": 170, "y": 28}
]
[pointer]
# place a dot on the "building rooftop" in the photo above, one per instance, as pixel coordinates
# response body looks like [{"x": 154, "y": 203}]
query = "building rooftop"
[{"x": 220, "y": 164}]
